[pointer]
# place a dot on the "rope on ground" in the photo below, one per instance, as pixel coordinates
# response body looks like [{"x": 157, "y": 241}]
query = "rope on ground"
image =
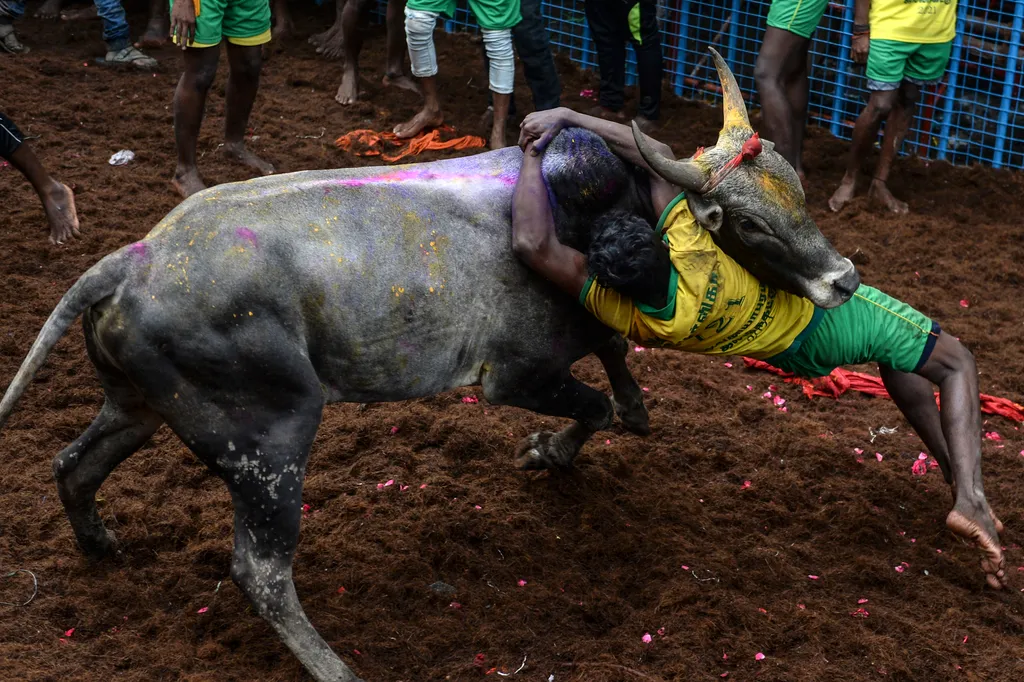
[
  {"x": 365, "y": 142},
  {"x": 35, "y": 586},
  {"x": 841, "y": 380}
]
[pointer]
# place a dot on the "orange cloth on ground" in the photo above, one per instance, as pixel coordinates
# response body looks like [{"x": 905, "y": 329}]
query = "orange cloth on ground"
[{"x": 371, "y": 143}]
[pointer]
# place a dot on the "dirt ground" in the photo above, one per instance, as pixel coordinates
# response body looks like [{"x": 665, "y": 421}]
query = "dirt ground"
[{"x": 658, "y": 535}]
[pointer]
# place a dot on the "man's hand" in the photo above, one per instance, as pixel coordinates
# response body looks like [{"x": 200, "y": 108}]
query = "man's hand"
[
  {"x": 541, "y": 127},
  {"x": 183, "y": 22},
  {"x": 859, "y": 49}
]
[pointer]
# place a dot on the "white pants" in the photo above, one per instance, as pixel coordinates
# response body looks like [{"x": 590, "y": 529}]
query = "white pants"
[{"x": 419, "y": 34}]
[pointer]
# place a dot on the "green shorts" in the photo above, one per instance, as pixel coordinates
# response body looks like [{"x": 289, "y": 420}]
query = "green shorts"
[
  {"x": 490, "y": 15},
  {"x": 242, "y": 22},
  {"x": 890, "y": 62},
  {"x": 870, "y": 327},
  {"x": 797, "y": 16}
]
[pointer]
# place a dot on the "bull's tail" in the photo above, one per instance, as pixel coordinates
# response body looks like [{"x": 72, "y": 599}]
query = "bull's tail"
[{"x": 98, "y": 282}]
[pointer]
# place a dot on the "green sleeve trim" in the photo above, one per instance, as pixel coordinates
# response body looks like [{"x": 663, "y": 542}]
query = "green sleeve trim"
[
  {"x": 669, "y": 311},
  {"x": 586, "y": 290},
  {"x": 668, "y": 209}
]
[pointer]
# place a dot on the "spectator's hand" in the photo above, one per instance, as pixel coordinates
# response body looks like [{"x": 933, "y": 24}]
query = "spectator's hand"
[
  {"x": 183, "y": 22},
  {"x": 540, "y": 127},
  {"x": 859, "y": 50}
]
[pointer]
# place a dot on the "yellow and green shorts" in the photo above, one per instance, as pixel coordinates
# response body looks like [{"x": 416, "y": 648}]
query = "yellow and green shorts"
[
  {"x": 870, "y": 327},
  {"x": 797, "y": 16},
  {"x": 890, "y": 62},
  {"x": 242, "y": 22},
  {"x": 490, "y": 15}
]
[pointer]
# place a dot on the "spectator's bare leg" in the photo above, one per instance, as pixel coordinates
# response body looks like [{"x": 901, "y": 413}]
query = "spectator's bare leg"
[
  {"x": 283, "y": 26},
  {"x": 395, "y": 70},
  {"x": 332, "y": 44},
  {"x": 58, "y": 199},
  {"x": 781, "y": 75},
  {"x": 501, "y": 73},
  {"x": 159, "y": 27},
  {"x": 864, "y": 133},
  {"x": 49, "y": 10},
  {"x": 895, "y": 131},
  {"x": 80, "y": 14},
  {"x": 319, "y": 39},
  {"x": 245, "y": 62},
  {"x": 352, "y": 37},
  {"x": 189, "y": 103},
  {"x": 429, "y": 116},
  {"x": 501, "y": 103}
]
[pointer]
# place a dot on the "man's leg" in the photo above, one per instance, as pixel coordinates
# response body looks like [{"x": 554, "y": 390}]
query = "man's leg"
[
  {"x": 781, "y": 75},
  {"x": 419, "y": 33},
  {"x": 646, "y": 38},
  {"x": 48, "y": 10},
  {"x": 117, "y": 36},
  {"x": 159, "y": 27},
  {"x": 283, "y": 26},
  {"x": 915, "y": 397},
  {"x": 58, "y": 200},
  {"x": 607, "y": 20},
  {"x": 534, "y": 48},
  {"x": 502, "y": 72},
  {"x": 394, "y": 73},
  {"x": 895, "y": 131},
  {"x": 352, "y": 36},
  {"x": 10, "y": 11},
  {"x": 330, "y": 42},
  {"x": 189, "y": 103},
  {"x": 864, "y": 134},
  {"x": 244, "y": 63}
]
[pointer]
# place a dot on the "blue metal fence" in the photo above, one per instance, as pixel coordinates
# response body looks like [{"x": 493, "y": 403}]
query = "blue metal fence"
[{"x": 974, "y": 115}]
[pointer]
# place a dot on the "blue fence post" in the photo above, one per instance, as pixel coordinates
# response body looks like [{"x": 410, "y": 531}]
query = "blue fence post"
[
  {"x": 845, "y": 64},
  {"x": 734, "y": 32},
  {"x": 679, "y": 73},
  {"x": 1012, "y": 57},
  {"x": 952, "y": 81}
]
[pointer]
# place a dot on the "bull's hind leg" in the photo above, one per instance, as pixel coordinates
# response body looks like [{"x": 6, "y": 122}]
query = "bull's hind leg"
[
  {"x": 121, "y": 428},
  {"x": 627, "y": 396},
  {"x": 558, "y": 395}
]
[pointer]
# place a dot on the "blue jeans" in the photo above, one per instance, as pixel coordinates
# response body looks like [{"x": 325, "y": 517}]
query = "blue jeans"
[
  {"x": 11, "y": 10},
  {"x": 116, "y": 33}
]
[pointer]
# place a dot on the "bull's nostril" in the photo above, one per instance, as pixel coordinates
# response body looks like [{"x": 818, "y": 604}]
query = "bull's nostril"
[{"x": 848, "y": 283}]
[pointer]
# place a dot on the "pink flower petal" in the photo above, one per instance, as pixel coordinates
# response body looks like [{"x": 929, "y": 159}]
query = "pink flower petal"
[
  {"x": 68, "y": 633},
  {"x": 860, "y": 613},
  {"x": 390, "y": 482},
  {"x": 341, "y": 590},
  {"x": 661, "y": 632},
  {"x": 746, "y": 484},
  {"x": 992, "y": 435},
  {"x": 728, "y": 364},
  {"x": 725, "y": 656},
  {"x": 687, "y": 568},
  {"x": 763, "y": 611},
  {"x": 858, "y": 451},
  {"x": 783, "y": 409},
  {"x": 645, "y": 389},
  {"x": 932, "y": 464},
  {"x": 766, "y": 394},
  {"x": 403, "y": 488},
  {"x": 607, "y": 441},
  {"x": 639, "y": 349},
  {"x": 862, "y": 601},
  {"x": 423, "y": 486},
  {"x": 380, "y": 486},
  {"x": 779, "y": 401},
  {"x": 477, "y": 506},
  {"x": 646, "y": 638},
  {"x": 725, "y": 674},
  {"x": 801, "y": 607},
  {"x": 965, "y": 639},
  {"x": 964, "y": 303},
  {"x": 203, "y": 610},
  {"x": 899, "y": 569},
  {"x": 751, "y": 388},
  {"x": 394, "y": 430},
  {"x": 919, "y": 468},
  {"x": 913, "y": 539},
  {"x": 921, "y": 455},
  {"x": 813, "y": 577},
  {"x": 758, "y": 656},
  {"x": 522, "y": 583},
  {"x": 878, "y": 456},
  {"x": 455, "y": 605},
  {"x": 470, "y": 399}
]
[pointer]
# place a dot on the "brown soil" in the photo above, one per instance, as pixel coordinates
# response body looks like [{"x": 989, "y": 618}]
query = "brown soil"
[{"x": 601, "y": 549}]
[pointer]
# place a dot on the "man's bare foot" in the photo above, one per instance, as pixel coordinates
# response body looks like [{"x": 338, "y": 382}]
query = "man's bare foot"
[
  {"x": 318, "y": 39},
  {"x": 157, "y": 33},
  {"x": 187, "y": 182},
  {"x": 607, "y": 114},
  {"x": 239, "y": 153},
  {"x": 880, "y": 193},
  {"x": 283, "y": 28},
  {"x": 400, "y": 80},
  {"x": 977, "y": 525},
  {"x": 498, "y": 139},
  {"x": 843, "y": 195},
  {"x": 348, "y": 91},
  {"x": 49, "y": 10},
  {"x": 61, "y": 214},
  {"x": 414, "y": 126},
  {"x": 333, "y": 47},
  {"x": 82, "y": 14}
]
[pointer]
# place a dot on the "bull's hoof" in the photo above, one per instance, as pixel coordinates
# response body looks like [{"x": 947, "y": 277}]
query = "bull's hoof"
[
  {"x": 100, "y": 547},
  {"x": 543, "y": 450},
  {"x": 634, "y": 418}
]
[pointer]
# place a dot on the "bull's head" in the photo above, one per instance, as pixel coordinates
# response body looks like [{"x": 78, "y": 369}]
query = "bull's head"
[{"x": 752, "y": 202}]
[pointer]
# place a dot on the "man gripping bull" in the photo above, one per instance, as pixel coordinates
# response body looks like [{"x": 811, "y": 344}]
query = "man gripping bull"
[{"x": 674, "y": 287}]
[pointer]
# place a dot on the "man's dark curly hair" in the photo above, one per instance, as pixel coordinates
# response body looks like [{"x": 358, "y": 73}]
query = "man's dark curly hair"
[{"x": 625, "y": 254}]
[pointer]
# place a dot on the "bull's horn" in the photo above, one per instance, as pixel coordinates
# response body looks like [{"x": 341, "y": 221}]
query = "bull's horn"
[
  {"x": 688, "y": 174},
  {"x": 734, "y": 108}
]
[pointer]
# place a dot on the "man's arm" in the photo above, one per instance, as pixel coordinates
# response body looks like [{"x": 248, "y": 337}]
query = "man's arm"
[
  {"x": 533, "y": 231},
  {"x": 861, "y": 31},
  {"x": 542, "y": 126}
]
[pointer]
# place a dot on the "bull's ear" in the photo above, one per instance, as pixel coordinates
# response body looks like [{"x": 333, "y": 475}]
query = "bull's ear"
[{"x": 709, "y": 213}]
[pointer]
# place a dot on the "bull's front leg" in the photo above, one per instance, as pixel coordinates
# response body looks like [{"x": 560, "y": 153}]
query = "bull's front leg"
[
  {"x": 628, "y": 398},
  {"x": 558, "y": 394}
]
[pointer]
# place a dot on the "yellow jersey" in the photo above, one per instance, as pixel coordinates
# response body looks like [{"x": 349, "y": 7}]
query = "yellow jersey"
[
  {"x": 715, "y": 307},
  {"x": 913, "y": 21}
]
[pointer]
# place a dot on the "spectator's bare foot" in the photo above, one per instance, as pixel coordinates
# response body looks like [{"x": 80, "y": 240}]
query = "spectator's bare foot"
[
  {"x": 283, "y": 28},
  {"x": 400, "y": 80},
  {"x": 83, "y": 14},
  {"x": 49, "y": 10},
  {"x": 348, "y": 91},
  {"x": 976, "y": 523},
  {"x": 187, "y": 181},
  {"x": 607, "y": 114},
  {"x": 237, "y": 152},
  {"x": 881, "y": 194},
  {"x": 426, "y": 118},
  {"x": 498, "y": 140},
  {"x": 59, "y": 203},
  {"x": 333, "y": 47},
  {"x": 646, "y": 125},
  {"x": 157, "y": 32},
  {"x": 318, "y": 39},
  {"x": 843, "y": 195}
]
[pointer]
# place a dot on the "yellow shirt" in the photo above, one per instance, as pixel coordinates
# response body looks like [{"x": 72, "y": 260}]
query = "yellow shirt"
[
  {"x": 715, "y": 306},
  {"x": 913, "y": 21}
]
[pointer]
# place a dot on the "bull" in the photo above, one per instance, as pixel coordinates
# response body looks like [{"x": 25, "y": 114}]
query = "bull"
[{"x": 252, "y": 305}]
